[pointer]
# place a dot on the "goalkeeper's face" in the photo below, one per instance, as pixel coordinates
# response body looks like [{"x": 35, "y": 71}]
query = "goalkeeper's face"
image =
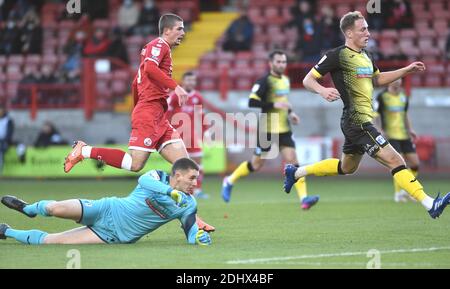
[{"x": 186, "y": 180}]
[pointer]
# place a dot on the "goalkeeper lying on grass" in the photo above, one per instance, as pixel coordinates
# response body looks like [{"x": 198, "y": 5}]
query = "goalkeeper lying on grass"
[{"x": 157, "y": 200}]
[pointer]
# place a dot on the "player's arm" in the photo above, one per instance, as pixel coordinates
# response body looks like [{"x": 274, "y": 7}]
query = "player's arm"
[
  {"x": 384, "y": 78},
  {"x": 258, "y": 97},
  {"x": 151, "y": 182},
  {"x": 172, "y": 106},
  {"x": 153, "y": 71},
  {"x": 328, "y": 63},
  {"x": 194, "y": 235},
  {"x": 151, "y": 67},
  {"x": 378, "y": 108}
]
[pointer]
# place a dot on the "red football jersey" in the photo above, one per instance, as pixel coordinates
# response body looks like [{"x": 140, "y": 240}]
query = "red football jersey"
[
  {"x": 194, "y": 99},
  {"x": 158, "y": 51}
]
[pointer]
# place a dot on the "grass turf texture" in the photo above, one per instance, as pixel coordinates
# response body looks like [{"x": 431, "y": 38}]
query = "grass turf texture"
[{"x": 262, "y": 227}]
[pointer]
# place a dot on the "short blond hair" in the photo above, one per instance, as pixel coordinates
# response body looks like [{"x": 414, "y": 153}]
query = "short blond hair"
[{"x": 349, "y": 19}]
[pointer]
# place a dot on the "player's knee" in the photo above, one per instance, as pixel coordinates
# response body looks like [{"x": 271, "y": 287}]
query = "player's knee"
[
  {"x": 137, "y": 166},
  {"x": 53, "y": 209},
  {"x": 414, "y": 166},
  {"x": 256, "y": 166},
  {"x": 348, "y": 169}
]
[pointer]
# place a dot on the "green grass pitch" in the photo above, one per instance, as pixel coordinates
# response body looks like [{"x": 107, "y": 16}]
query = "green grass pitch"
[{"x": 262, "y": 227}]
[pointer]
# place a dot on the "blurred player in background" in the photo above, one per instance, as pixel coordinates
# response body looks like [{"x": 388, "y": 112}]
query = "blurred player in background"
[
  {"x": 392, "y": 106},
  {"x": 192, "y": 133},
  {"x": 354, "y": 74},
  {"x": 270, "y": 94},
  {"x": 157, "y": 199},
  {"x": 150, "y": 129}
]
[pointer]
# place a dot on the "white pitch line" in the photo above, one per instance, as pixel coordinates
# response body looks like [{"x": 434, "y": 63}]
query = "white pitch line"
[{"x": 317, "y": 256}]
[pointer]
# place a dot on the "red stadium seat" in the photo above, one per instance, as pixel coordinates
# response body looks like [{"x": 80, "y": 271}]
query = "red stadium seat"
[
  {"x": 208, "y": 83},
  {"x": 271, "y": 12},
  {"x": 389, "y": 33},
  {"x": 438, "y": 68},
  {"x": 254, "y": 13},
  {"x": 433, "y": 80},
  {"x": 16, "y": 59},
  {"x": 447, "y": 80},
  {"x": 120, "y": 86},
  {"x": 408, "y": 33},
  {"x": 33, "y": 59},
  {"x": 416, "y": 80},
  {"x": 427, "y": 47},
  {"x": 121, "y": 74},
  {"x": 13, "y": 68},
  {"x": 441, "y": 27}
]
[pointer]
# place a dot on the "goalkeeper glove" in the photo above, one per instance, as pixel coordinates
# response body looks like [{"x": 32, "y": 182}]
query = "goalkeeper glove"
[
  {"x": 180, "y": 198},
  {"x": 203, "y": 238}
]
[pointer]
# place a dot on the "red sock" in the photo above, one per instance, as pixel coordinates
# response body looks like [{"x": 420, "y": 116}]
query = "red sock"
[{"x": 112, "y": 157}]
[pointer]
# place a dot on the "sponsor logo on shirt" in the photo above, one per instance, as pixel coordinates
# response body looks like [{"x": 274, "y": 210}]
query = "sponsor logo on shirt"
[{"x": 364, "y": 72}]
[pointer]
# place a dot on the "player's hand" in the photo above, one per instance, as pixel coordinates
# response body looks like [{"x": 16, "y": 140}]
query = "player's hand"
[
  {"x": 282, "y": 105},
  {"x": 294, "y": 118},
  {"x": 182, "y": 95},
  {"x": 180, "y": 198},
  {"x": 203, "y": 238},
  {"x": 415, "y": 67},
  {"x": 413, "y": 135},
  {"x": 330, "y": 94}
]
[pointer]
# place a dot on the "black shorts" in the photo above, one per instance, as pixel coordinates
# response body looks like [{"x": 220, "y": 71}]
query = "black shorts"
[
  {"x": 363, "y": 138},
  {"x": 403, "y": 146},
  {"x": 285, "y": 139}
]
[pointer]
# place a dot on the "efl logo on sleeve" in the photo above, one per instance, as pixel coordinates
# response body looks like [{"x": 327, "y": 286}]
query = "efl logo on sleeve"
[
  {"x": 156, "y": 51},
  {"x": 380, "y": 140}
]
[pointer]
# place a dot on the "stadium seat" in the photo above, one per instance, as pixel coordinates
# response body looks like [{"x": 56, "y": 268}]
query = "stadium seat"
[
  {"x": 390, "y": 34},
  {"x": 441, "y": 27},
  {"x": 2, "y": 61},
  {"x": 120, "y": 86},
  {"x": 408, "y": 33},
  {"x": 14, "y": 76},
  {"x": 447, "y": 80},
  {"x": 16, "y": 60},
  {"x": 33, "y": 59},
  {"x": 121, "y": 74},
  {"x": 433, "y": 80},
  {"x": 208, "y": 83},
  {"x": 49, "y": 59},
  {"x": 207, "y": 65},
  {"x": 13, "y": 68},
  {"x": 438, "y": 68},
  {"x": 416, "y": 80},
  {"x": 427, "y": 47}
]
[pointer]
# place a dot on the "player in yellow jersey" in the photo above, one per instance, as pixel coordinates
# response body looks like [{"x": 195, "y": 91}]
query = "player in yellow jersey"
[
  {"x": 392, "y": 106},
  {"x": 270, "y": 94},
  {"x": 354, "y": 73}
]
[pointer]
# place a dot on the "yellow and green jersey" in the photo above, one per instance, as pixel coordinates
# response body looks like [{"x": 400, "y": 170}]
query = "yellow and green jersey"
[
  {"x": 352, "y": 74},
  {"x": 265, "y": 92},
  {"x": 393, "y": 110}
]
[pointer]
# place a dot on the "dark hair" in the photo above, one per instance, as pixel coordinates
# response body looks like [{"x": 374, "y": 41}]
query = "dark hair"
[
  {"x": 349, "y": 19},
  {"x": 184, "y": 164},
  {"x": 276, "y": 52},
  {"x": 168, "y": 21},
  {"x": 188, "y": 73}
]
